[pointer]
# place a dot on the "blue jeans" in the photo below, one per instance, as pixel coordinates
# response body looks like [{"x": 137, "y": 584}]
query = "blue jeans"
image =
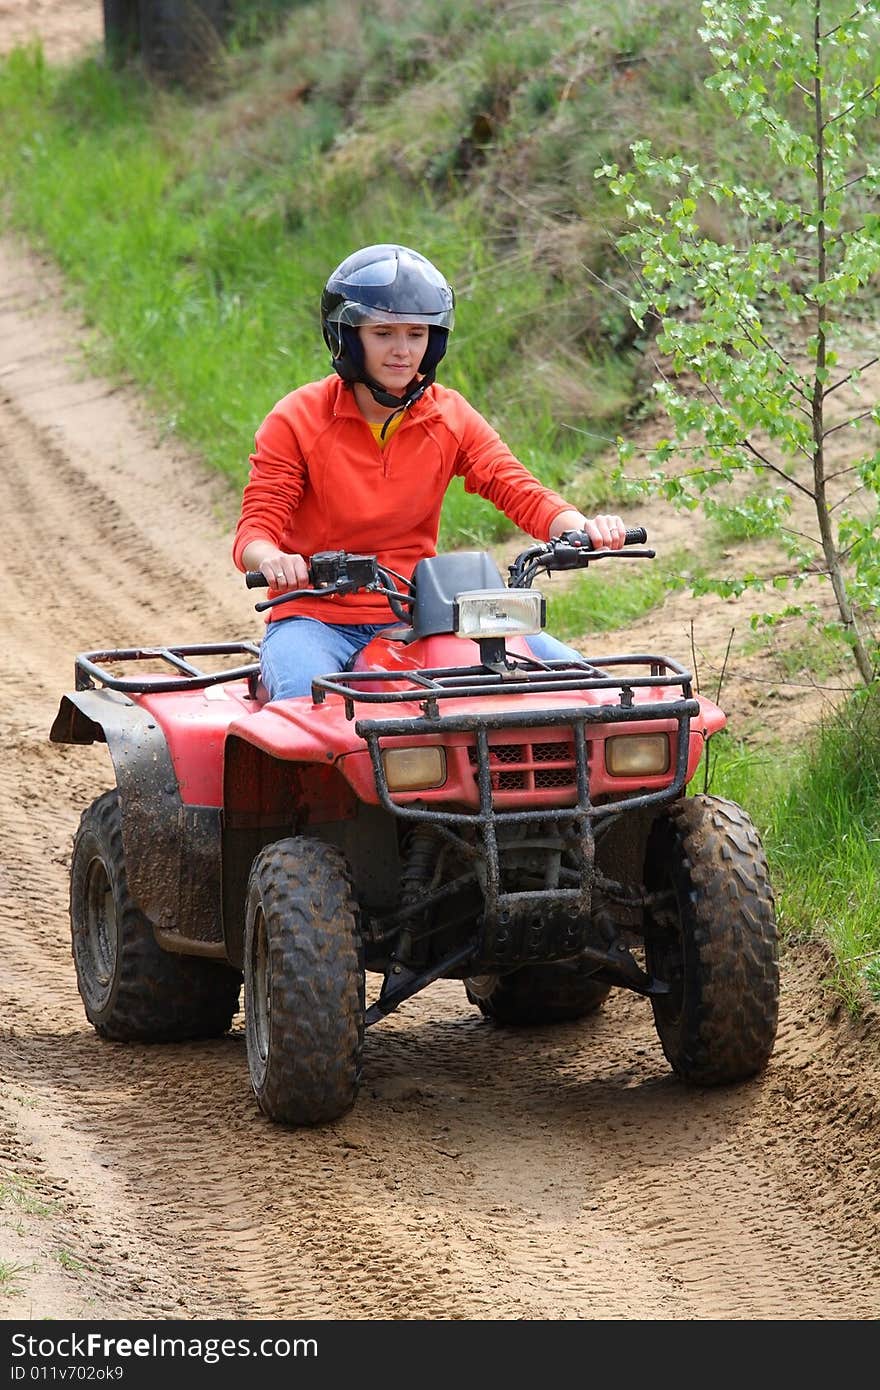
[{"x": 296, "y": 650}]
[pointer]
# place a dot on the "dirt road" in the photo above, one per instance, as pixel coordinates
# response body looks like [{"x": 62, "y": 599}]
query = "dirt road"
[
  {"x": 541, "y": 1174},
  {"x": 64, "y": 30}
]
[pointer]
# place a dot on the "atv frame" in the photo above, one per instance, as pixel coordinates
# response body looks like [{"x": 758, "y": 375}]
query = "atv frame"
[{"x": 535, "y": 861}]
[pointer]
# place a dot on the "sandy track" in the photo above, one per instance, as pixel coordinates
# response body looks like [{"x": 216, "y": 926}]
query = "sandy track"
[{"x": 538, "y": 1174}]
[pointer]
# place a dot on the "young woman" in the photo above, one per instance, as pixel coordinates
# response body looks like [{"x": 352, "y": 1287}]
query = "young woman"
[{"x": 361, "y": 461}]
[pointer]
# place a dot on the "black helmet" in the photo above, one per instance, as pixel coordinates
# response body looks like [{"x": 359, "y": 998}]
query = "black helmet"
[{"x": 385, "y": 284}]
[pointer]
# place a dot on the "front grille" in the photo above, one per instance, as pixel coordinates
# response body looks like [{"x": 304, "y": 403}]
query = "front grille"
[{"x": 518, "y": 767}]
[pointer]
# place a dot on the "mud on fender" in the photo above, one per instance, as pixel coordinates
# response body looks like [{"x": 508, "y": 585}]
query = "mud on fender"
[{"x": 172, "y": 851}]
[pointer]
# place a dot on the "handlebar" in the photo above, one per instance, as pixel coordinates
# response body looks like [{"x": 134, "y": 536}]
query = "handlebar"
[
  {"x": 570, "y": 551},
  {"x": 338, "y": 572}
]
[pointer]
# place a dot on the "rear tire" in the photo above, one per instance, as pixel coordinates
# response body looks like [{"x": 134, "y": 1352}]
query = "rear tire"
[
  {"x": 304, "y": 983},
  {"x": 554, "y": 993},
  {"x": 715, "y": 943},
  {"x": 132, "y": 990}
]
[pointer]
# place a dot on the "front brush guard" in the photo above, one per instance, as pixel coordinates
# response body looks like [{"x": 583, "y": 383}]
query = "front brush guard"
[{"x": 576, "y": 822}]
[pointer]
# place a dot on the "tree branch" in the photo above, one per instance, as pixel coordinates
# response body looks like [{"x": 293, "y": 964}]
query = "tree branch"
[
  {"x": 801, "y": 88},
  {"x": 844, "y": 379},
  {"x": 862, "y": 96},
  {"x": 766, "y": 119},
  {"x": 843, "y": 501},
  {"x": 801, "y": 535},
  {"x": 849, "y": 183},
  {"x": 768, "y": 346},
  {"x": 774, "y": 468},
  {"x": 612, "y": 289},
  {"x": 863, "y": 415},
  {"x": 590, "y": 434},
  {"x": 827, "y": 35},
  {"x": 798, "y": 685}
]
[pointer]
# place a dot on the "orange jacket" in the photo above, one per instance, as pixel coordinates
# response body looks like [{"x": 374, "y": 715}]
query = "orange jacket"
[{"x": 320, "y": 481}]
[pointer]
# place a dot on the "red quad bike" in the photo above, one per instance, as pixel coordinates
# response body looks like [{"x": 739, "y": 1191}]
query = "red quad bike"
[{"x": 449, "y": 808}]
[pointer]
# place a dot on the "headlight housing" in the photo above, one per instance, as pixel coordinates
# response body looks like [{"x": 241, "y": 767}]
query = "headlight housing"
[
  {"x": 498, "y": 613},
  {"x": 637, "y": 755},
  {"x": 414, "y": 769}
]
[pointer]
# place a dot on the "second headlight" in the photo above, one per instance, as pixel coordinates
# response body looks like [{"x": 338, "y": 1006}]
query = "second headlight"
[{"x": 637, "y": 755}]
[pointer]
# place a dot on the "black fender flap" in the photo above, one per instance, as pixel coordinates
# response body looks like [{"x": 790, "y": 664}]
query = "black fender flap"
[
  {"x": 80, "y": 717},
  {"x": 172, "y": 850}
]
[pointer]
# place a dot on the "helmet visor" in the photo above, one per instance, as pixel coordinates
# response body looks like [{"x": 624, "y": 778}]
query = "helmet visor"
[{"x": 355, "y": 315}]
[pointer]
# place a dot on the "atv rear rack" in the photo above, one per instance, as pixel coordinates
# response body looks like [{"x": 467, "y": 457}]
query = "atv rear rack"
[
  {"x": 91, "y": 667},
  {"x": 526, "y": 677}
]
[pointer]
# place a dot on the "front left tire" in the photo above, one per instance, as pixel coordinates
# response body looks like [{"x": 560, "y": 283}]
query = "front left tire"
[{"x": 712, "y": 938}]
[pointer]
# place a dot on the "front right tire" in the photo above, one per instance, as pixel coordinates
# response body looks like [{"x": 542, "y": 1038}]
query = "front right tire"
[{"x": 304, "y": 983}]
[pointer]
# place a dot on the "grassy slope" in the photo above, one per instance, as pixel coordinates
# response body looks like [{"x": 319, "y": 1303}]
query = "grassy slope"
[
  {"x": 196, "y": 233},
  {"x": 199, "y": 233}
]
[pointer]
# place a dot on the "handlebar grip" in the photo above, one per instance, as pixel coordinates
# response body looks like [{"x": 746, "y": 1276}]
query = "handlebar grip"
[
  {"x": 255, "y": 579},
  {"x": 635, "y": 535}
]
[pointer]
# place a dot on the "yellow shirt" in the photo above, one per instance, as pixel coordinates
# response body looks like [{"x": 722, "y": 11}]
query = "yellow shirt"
[{"x": 376, "y": 427}]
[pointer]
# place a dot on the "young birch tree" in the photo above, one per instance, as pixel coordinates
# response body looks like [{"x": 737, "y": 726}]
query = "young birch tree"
[{"x": 806, "y": 247}]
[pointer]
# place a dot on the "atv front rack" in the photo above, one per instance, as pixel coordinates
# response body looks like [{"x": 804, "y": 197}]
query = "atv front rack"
[
  {"x": 527, "y": 676},
  {"x": 519, "y": 921},
  {"x": 680, "y": 711},
  {"x": 507, "y": 914},
  {"x": 92, "y": 667}
]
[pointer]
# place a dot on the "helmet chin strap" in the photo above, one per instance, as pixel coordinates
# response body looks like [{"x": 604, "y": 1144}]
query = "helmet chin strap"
[
  {"x": 415, "y": 388},
  {"x": 397, "y": 404}
]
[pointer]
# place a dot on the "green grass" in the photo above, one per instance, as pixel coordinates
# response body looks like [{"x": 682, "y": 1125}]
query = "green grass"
[
  {"x": 818, "y": 810},
  {"x": 20, "y": 1193},
  {"x": 70, "y": 1262},
  {"x": 11, "y": 1275}
]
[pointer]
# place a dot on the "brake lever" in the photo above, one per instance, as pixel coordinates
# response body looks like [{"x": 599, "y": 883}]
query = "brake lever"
[
  {"x": 292, "y": 594},
  {"x": 572, "y": 557}
]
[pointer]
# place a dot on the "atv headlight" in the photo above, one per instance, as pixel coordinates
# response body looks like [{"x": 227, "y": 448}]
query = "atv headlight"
[
  {"x": 503, "y": 613},
  {"x": 637, "y": 755},
  {"x": 414, "y": 769}
]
